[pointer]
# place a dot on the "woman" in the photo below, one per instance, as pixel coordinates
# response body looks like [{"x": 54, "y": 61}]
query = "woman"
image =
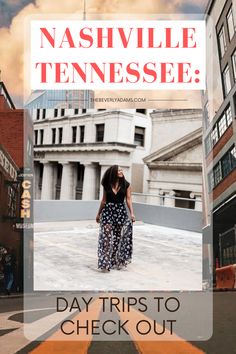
[
  {"x": 9, "y": 269},
  {"x": 115, "y": 235}
]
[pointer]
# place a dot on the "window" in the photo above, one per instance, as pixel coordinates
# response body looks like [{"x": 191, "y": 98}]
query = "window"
[
  {"x": 222, "y": 168},
  {"x": 41, "y": 136},
  {"x": 62, "y": 112},
  {"x": 55, "y": 112},
  {"x": 74, "y": 133},
  {"x": 217, "y": 173},
  {"x": 84, "y": 110},
  {"x": 230, "y": 23},
  {"x": 44, "y": 113},
  {"x": 226, "y": 167},
  {"x": 143, "y": 111},
  {"x": 224, "y": 121},
  {"x": 100, "y": 132},
  {"x": 53, "y": 135},
  {"x": 228, "y": 115},
  {"x": 219, "y": 128},
  {"x": 81, "y": 139},
  {"x": 228, "y": 161},
  {"x": 214, "y": 135},
  {"x": 139, "y": 134},
  {"x": 222, "y": 125},
  {"x": 222, "y": 42},
  {"x": 226, "y": 80},
  {"x": 38, "y": 114},
  {"x": 76, "y": 111},
  {"x": 60, "y": 132},
  {"x": 36, "y": 137}
]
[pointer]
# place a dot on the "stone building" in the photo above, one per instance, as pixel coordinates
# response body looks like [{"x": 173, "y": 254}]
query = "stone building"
[
  {"x": 175, "y": 161},
  {"x": 74, "y": 147},
  {"x": 160, "y": 153}
]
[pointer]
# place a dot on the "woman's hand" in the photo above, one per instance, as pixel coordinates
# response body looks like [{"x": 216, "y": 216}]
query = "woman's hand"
[
  {"x": 133, "y": 217},
  {"x": 98, "y": 218}
]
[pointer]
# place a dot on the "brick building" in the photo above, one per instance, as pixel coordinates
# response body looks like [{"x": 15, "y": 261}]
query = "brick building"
[
  {"x": 219, "y": 101},
  {"x": 15, "y": 139}
]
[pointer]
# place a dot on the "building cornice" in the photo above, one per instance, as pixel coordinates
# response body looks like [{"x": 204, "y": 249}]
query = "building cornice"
[
  {"x": 186, "y": 142},
  {"x": 109, "y": 146},
  {"x": 171, "y": 165},
  {"x": 177, "y": 114},
  {"x": 91, "y": 116}
]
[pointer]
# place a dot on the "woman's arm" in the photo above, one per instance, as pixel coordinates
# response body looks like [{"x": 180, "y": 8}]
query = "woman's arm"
[
  {"x": 102, "y": 204},
  {"x": 129, "y": 203}
]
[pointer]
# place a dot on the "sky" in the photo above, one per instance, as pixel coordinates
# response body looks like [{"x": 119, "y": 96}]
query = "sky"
[{"x": 14, "y": 12}]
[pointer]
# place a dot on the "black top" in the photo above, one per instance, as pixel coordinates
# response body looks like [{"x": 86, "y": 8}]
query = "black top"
[{"x": 118, "y": 197}]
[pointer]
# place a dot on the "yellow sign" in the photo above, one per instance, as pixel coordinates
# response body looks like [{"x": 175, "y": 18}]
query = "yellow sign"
[{"x": 25, "y": 199}]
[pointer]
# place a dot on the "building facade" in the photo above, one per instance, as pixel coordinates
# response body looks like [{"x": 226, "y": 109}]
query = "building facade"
[
  {"x": 9, "y": 206},
  {"x": 74, "y": 147},
  {"x": 175, "y": 162},
  {"x": 14, "y": 140},
  {"x": 160, "y": 153},
  {"x": 219, "y": 102}
]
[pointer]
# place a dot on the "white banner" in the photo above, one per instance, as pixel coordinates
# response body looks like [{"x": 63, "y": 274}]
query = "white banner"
[{"x": 119, "y": 55}]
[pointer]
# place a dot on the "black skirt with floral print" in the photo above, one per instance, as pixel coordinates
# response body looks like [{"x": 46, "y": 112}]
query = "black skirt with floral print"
[{"x": 115, "y": 244}]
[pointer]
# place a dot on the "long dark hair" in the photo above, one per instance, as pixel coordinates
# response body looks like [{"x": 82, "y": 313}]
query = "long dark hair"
[{"x": 110, "y": 178}]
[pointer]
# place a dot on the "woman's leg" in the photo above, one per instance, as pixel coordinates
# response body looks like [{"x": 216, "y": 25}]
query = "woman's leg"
[
  {"x": 115, "y": 245},
  {"x": 125, "y": 248},
  {"x": 105, "y": 246}
]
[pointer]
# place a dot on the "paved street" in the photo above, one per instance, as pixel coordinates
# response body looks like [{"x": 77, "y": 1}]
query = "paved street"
[
  {"x": 65, "y": 258},
  {"x": 222, "y": 341}
]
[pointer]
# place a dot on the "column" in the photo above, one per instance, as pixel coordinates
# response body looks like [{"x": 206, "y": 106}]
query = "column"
[
  {"x": 47, "y": 181},
  {"x": 103, "y": 169},
  {"x": 67, "y": 181},
  {"x": 170, "y": 202},
  {"x": 89, "y": 184}
]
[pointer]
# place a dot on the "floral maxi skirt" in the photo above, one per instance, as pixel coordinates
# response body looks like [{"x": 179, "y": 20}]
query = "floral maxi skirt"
[{"x": 115, "y": 243}]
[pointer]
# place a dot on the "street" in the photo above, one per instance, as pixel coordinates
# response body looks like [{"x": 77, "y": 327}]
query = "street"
[{"x": 223, "y": 339}]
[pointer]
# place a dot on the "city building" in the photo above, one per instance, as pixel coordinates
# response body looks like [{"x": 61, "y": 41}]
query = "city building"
[
  {"x": 219, "y": 103},
  {"x": 175, "y": 161},
  {"x": 9, "y": 204},
  {"x": 15, "y": 138},
  {"x": 74, "y": 147},
  {"x": 160, "y": 153}
]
